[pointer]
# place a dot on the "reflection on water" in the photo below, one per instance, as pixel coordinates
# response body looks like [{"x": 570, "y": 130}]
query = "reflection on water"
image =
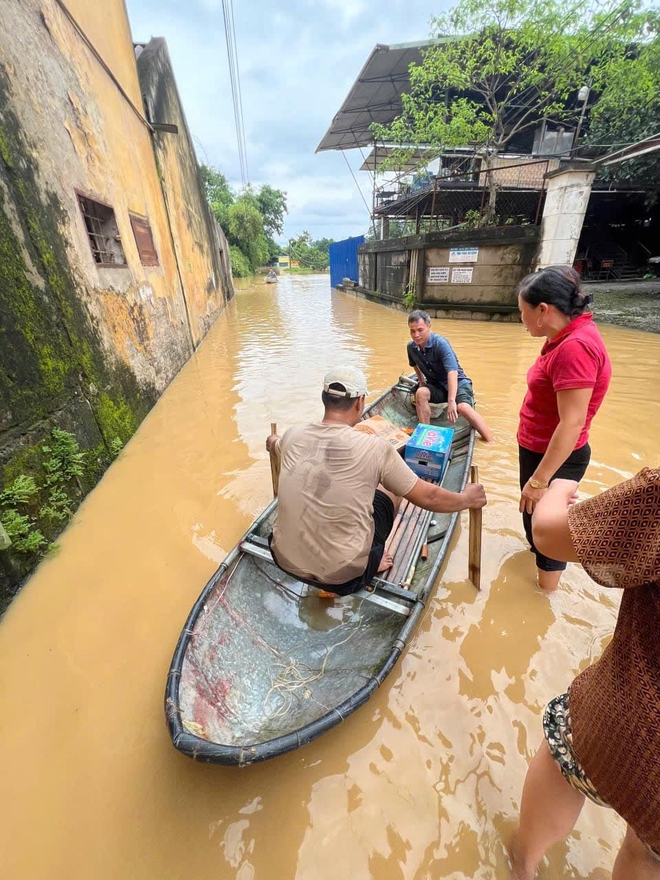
[{"x": 423, "y": 782}]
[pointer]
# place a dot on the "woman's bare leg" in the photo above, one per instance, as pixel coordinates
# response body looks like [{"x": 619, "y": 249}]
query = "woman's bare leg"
[
  {"x": 548, "y": 581},
  {"x": 634, "y": 862},
  {"x": 549, "y": 810}
]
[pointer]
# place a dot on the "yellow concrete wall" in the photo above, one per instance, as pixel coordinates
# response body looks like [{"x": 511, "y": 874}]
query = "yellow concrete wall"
[
  {"x": 107, "y": 26},
  {"x": 85, "y": 136},
  {"x": 201, "y": 249}
]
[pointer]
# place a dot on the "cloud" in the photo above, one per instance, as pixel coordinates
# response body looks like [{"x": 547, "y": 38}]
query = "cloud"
[{"x": 297, "y": 63}]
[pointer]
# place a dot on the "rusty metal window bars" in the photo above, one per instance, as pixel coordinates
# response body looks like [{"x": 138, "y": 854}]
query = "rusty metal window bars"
[{"x": 102, "y": 232}]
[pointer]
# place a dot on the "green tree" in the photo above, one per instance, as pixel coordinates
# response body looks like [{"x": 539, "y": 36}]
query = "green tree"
[
  {"x": 246, "y": 225},
  {"x": 310, "y": 254},
  {"x": 249, "y": 220},
  {"x": 272, "y": 206},
  {"x": 627, "y": 106},
  {"x": 218, "y": 193},
  {"x": 499, "y": 67}
]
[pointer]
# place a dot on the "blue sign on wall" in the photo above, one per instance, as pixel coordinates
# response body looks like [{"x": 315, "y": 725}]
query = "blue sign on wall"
[{"x": 344, "y": 260}]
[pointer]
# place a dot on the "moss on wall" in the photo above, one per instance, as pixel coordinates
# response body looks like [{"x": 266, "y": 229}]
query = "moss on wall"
[{"x": 53, "y": 367}]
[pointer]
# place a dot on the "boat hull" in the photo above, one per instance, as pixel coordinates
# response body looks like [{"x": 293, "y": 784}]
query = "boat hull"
[{"x": 263, "y": 666}]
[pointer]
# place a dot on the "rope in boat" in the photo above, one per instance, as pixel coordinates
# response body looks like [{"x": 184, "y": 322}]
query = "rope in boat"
[{"x": 295, "y": 677}]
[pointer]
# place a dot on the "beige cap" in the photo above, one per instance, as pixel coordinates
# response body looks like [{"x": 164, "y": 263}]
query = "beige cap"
[{"x": 352, "y": 380}]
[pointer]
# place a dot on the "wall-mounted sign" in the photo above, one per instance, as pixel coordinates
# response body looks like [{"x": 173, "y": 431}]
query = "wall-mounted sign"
[
  {"x": 461, "y": 276},
  {"x": 438, "y": 275},
  {"x": 463, "y": 255}
]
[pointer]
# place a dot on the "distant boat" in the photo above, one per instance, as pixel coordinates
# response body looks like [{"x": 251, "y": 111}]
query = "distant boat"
[
  {"x": 271, "y": 279},
  {"x": 263, "y": 666}
]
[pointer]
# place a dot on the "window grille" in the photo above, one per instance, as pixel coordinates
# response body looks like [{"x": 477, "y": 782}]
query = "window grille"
[{"x": 104, "y": 238}]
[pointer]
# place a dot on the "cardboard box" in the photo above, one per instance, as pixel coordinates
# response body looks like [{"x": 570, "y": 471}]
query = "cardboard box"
[
  {"x": 428, "y": 451},
  {"x": 379, "y": 426}
]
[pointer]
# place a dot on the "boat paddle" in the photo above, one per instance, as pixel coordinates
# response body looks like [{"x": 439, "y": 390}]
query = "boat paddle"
[
  {"x": 474, "y": 553},
  {"x": 274, "y": 463}
]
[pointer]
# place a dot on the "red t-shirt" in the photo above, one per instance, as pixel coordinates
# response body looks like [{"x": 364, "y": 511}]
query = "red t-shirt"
[{"x": 575, "y": 358}]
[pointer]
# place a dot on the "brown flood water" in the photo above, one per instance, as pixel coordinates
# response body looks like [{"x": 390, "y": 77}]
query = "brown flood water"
[{"x": 425, "y": 780}]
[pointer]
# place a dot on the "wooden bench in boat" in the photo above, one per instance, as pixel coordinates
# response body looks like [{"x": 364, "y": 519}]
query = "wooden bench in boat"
[{"x": 389, "y": 589}]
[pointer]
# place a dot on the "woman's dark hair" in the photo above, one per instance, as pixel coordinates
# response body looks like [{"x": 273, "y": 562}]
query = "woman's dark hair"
[{"x": 558, "y": 286}]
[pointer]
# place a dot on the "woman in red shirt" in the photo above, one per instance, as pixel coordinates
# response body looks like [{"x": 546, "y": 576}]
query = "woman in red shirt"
[{"x": 565, "y": 387}]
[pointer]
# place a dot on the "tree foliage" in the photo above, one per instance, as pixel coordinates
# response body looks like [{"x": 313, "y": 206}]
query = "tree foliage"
[
  {"x": 627, "y": 108},
  {"x": 272, "y": 206},
  {"x": 249, "y": 219},
  {"x": 309, "y": 253},
  {"x": 500, "y": 66}
]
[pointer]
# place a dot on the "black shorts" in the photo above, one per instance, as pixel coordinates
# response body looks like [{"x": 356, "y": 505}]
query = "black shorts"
[
  {"x": 464, "y": 393},
  {"x": 383, "y": 522},
  {"x": 572, "y": 469}
]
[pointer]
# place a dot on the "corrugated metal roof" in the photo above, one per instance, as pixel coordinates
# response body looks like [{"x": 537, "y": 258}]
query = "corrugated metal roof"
[
  {"x": 378, "y": 155},
  {"x": 375, "y": 96}
]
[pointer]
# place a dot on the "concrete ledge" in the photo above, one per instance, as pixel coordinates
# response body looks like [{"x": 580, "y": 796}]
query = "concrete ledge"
[
  {"x": 457, "y": 236},
  {"x": 458, "y": 311}
]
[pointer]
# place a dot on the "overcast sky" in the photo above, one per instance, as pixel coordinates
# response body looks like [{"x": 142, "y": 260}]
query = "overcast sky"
[{"x": 297, "y": 63}]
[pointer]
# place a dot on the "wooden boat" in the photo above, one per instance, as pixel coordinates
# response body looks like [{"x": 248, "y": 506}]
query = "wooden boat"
[{"x": 263, "y": 666}]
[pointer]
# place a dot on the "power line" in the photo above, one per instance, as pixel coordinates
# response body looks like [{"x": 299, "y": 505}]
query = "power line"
[
  {"x": 235, "y": 82},
  {"x": 373, "y": 224},
  {"x": 238, "y": 91}
]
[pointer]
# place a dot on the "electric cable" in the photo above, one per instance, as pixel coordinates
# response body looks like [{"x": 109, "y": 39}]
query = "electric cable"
[{"x": 234, "y": 80}]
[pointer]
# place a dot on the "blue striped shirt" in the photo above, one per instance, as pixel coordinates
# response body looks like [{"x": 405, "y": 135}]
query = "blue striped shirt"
[{"x": 435, "y": 360}]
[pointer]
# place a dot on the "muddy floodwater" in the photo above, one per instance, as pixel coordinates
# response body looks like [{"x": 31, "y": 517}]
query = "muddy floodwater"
[{"x": 424, "y": 781}]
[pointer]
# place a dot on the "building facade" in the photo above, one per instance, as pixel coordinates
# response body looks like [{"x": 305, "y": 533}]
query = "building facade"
[{"x": 112, "y": 268}]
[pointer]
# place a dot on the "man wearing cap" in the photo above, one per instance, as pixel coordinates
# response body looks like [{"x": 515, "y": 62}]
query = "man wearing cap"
[
  {"x": 441, "y": 379},
  {"x": 339, "y": 490}
]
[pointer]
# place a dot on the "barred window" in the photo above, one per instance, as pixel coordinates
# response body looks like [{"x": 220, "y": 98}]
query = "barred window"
[
  {"x": 144, "y": 240},
  {"x": 102, "y": 231}
]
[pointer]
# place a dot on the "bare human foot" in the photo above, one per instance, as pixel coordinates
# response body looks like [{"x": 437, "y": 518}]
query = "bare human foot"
[
  {"x": 386, "y": 562},
  {"x": 517, "y": 870}
]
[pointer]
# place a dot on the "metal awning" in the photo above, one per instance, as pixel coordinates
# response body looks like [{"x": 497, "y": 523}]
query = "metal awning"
[
  {"x": 633, "y": 151},
  {"x": 381, "y": 152},
  {"x": 375, "y": 96}
]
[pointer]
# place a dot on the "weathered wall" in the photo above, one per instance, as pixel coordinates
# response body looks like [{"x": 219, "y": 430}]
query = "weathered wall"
[
  {"x": 465, "y": 273},
  {"x": 205, "y": 270},
  {"x": 82, "y": 347},
  {"x": 563, "y": 215},
  {"x": 501, "y": 258}
]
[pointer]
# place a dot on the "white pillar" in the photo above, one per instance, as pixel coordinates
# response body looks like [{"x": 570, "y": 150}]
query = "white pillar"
[{"x": 566, "y": 203}]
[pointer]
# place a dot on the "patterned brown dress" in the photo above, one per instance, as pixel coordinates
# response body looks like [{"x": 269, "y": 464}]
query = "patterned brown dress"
[{"x": 615, "y": 703}]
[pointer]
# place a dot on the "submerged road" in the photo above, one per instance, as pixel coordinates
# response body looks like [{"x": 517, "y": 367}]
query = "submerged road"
[{"x": 422, "y": 783}]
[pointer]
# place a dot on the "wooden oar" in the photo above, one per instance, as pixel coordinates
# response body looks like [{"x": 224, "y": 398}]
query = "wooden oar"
[
  {"x": 274, "y": 464},
  {"x": 474, "y": 568}
]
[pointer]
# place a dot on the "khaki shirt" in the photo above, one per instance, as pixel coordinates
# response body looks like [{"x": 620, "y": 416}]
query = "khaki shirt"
[{"x": 324, "y": 524}]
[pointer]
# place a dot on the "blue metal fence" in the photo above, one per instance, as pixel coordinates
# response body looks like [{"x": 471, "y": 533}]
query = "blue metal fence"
[{"x": 344, "y": 260}]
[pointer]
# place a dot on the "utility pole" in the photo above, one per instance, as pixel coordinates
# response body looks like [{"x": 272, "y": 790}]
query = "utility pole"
[{"x": 583, "y": 95}]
